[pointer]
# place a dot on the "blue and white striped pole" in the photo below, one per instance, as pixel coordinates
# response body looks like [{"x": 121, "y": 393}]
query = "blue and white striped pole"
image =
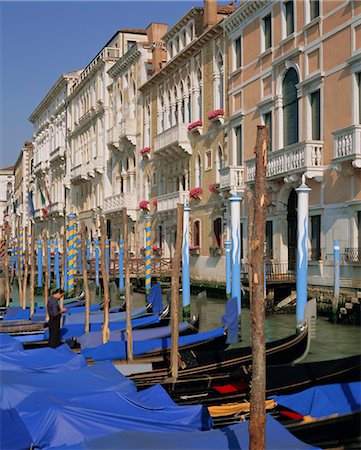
[
  {"x": 303, "y": 193},
  {"x": 148, "y": 264},
  {"x": 107, "y": 257},
  {"x": 228, "y": 269},
  {"x": 96, "y": 249},
  {"x": 56, "y": 264},
  {"x": 121, "y": 264},
  {"x": 49, "y": 262},
  {"x": 40, "y": 263},
  {"x": 336, "y": 278},
  {"x": 236, "y": 249},
  {"x": 186, "y": 288}
]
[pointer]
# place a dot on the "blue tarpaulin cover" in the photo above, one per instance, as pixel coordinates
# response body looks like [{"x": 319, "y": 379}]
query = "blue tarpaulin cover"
[
  {"x": 13, "y": 433},
  {"x": 41, "y": 360},
  {"x": 118, "y": 350},
  {"x": 235, "y": 437},
  {"x": 320, "y": 401},
  {"x": 94, "y": 338},
  {"x": 55, "y": 420},
  {"x": 230, "y": 320},
  {"x": 9, "y": 344},
  {"x": 98, "y": 317},
  {"x": 155, "y": 298},
  {"x": 16, "y": 313},
  {"x": 16, "y": 386}
]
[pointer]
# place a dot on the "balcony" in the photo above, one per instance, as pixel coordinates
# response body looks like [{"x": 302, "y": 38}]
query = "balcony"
[
  {"x": 353, "y": 255},
  {"x": 56, "y": 208},
  {"x": 347, "y": 145},
  {"x": 127, "y": 131},
  {"x": 300, "y": 158},
  {"x": 96, "y": 165},
  {"x": 57, "y": 153},
  {"x": 173, "y": 142},
  {"x": 41, "y": 167},
  {"x": 79, "y": 174},
  {"x": 232, "y": 179},
  {"x": 38, "y": 213},
  {"x": 170, "y": 201},
  {"x": 115, "y": 203},
  {"x": 112, "y": 138}
]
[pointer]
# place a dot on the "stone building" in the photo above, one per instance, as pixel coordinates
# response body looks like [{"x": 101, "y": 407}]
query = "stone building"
[
  {"x": 6, "y": 178},
  {"x": 284, "y": 72}
]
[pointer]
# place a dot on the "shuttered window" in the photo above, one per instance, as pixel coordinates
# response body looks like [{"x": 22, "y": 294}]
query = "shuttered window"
[
  {"x": 290, "y": 108},
  {"x": 290, "y": 24},
  {"x": 316, "y": 115}
]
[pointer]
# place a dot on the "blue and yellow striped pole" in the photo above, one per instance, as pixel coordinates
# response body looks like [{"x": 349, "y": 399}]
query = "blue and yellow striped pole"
[
  {"x": 71, "y": 252},
  {"x": 56, "y": 264},
  {"x": 121, "y": 266},
  {"x": 148, "y": 264},
  {"x": 49, "y": 262},
  {"x": 96, "y": 245},
  {"x": 21, "y": 250},
  {"x": 40, "y": 263}
]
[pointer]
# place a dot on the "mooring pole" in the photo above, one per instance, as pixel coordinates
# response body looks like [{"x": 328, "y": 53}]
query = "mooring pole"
[
  {"x": 49, "y": 261},
  {"x": 186, "y": 280},
  {"x": 105, "y": 327},
  {"x": 71, "y": 252},
  {"x": 6, "y": 263},
  {"x": 56, "y": 264},
  {"x": 85, "y": 278},
  {"x": 148, "y": 263},
  {"x": 96, "y": 245},
  {"x": 26, "y": 266},
  {"x": 228, "y": 269},
  {"x": 257, "y": 423},
  {"x": 175, "y": 293},
  {"x": 40, "y": 263},
  {"x": 127, "y": 288},
  {"x": 121, "y": 265},
  {"x": 107, "y": 256},
  {"x": 32, "y": 270},
  {"x": 336, "y": 279},
  {"x": 236, "y": 249},
  {"x": 21, "y": 265},
  {"x": 46, "y": 280},
  {"x": 303, "y": 193}
]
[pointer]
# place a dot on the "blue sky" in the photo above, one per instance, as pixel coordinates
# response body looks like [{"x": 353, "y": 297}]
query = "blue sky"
[{"x": 41, "y": 40}]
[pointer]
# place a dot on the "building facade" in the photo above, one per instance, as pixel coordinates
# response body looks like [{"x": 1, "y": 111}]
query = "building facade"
[{"x": 6, "y": 179}]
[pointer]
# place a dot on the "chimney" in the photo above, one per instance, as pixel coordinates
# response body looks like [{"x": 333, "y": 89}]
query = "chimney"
[
  {"x": 155, "y": 32},
  {"x": 209, "y": 14}
]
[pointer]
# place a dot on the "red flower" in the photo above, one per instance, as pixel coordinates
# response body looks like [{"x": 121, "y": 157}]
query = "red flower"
[
  {"x": 143, "y": 204},
  {"x": 197, "y": 123},
  {"x": 155, "y": 202},
  {"x": 213, "y": 187},
  {"x": 196, "y": 192},
  {"x": 216, "y": 113},
  {"x": 145, "y": 151}
]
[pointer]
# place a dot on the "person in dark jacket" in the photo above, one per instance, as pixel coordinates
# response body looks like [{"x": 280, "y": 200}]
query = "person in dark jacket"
[{"x": 55, "y": 313}]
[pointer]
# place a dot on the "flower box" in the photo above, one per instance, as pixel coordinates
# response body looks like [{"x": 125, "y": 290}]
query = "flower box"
[
  {"x": 214, "y": 188},
  {"x": 196, "y": 193},
  {"x": 145, "y": 152},
  {"x": 216, "y": 116},
  {"x": 155, "y": 202},
  {"x": 195, "y": 126},
  {"x": 157, "y": 251},
  {"x": 144, "y": 204},
  {"x": 194, "y": 250}
]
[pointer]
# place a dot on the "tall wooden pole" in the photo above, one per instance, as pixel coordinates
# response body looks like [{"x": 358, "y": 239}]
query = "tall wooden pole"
[
  {"x": 6, "y": 263},
  {"x": 127, "y": 286},
  {"x": 257, "y": 423},
  {"x": 46, "y": 280},
  {"x": 26, "y": 266},
  {"x": 20, "y": 270},
  {"x": 175, "y": 292},
  {"x": 32, "y": 270},
  {"x": 83, "y": 238},
  {"x": 105, "y": 327}
]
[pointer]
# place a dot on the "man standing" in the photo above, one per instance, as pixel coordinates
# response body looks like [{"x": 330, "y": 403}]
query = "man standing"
[{"x": 55, "y": 312}]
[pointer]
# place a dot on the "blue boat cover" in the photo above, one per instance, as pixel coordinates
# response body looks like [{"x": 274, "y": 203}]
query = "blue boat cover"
[
  {"x": 16, "y": 313},
  {"x": 98, "y": 317},
  {"x": 13, "y": 433},
  {"x": 16, "y": 386},
  {"x": 79, "y": 309},
  {"x": 235, "y": 437},
  {"x": 54, "y": 420},
  {"x": 41, "y": 360},
  {"x": 94, "y": 338},
  {"x": 9, "y": 344},
  {"x": 118, "y": 350},
  {"x": 155, "y": 298},
  {"x": 230, "y": 320},
  {"x": 33, "y": 337},
  {"x": 320, "y": 401}
]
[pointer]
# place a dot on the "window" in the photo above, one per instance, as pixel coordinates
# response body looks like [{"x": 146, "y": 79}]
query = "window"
[
  {"x": 238, "y": 137},
  {"x": 208, "y": 159},
  {"x": 290, "y": 23},
  {"x": 109, "y": 229},
  {"x": 316, "y": 116},
  {"x": 267, "y": 119},
  {"x": 197, "y": 234},
  {"x": 269, "y": 240},
  {"x": 315, "y": 238},
  {"x": 267, "y": 30},
  {"x": 238, "y": 48},
  {"x": 314, "y": 9},
  {"x": 218, "y": 164},
  {"x": 290, "y": 108},
  {"x": 217, "y": 232}
]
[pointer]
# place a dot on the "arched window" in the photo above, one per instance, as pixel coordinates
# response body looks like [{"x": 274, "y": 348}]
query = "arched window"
[
  {"x": 170, "y": 110},
  {"x": 176, "y": 105},
  {"x": 183, "y": 107},
  {"x": 198, "y": 171},
  {"x": 217, "y": 232},
  {"x": 197, "y": 233},
  {"x": 290, "y": 108},
  {"x": 189, "y": 95}
]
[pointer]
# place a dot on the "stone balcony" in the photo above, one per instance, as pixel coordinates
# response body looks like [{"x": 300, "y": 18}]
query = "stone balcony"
[
  {"x": 300, "y": 158},
  {"x": 79, "y": 174},
  {"x": 112, "y": 138},
  {"x": 168, "y": 202},
  {"x": 56, "y": 208},
  {"x": 232, "y": 179},
  {"x": 127, "y": 131},
  {"x": 41, "y": 166},
  {"x": 173, "y": 142},
  {"x": 347, "y": 145},
  {"x": 115, "y": 203},
  {"x": 38, "y": 213},
  {"x": 57, "y": 153}
]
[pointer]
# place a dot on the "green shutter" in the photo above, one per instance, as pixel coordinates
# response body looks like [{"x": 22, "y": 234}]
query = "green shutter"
[{"x": 290, "y": 108}]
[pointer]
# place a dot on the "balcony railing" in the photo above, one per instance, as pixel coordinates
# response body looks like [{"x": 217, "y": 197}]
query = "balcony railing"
[
  {"x": 112, "y": 137},
  {"x": 127, "y": 130},
  {"x": 41, "y": 166},
  {"x": 170, "y": 201},
  {"x": 175, "y": 138},
  {"x": 78, "y": 173},
  {"x": 347, "y": 145},
  {"x": 58, "y": 152},
  {"x": 117, "y": 202},
  {"x": 302, "y": 157},
  {"x": 353, "y": 255},
  {"x": 232, "y": 179},
  {"x": 56, "y": 207}
]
